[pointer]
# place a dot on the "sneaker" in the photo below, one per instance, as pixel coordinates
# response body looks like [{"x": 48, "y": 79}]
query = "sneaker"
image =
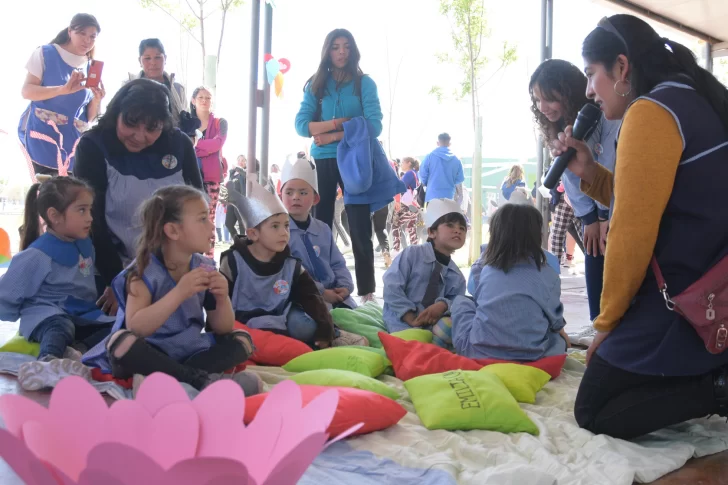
[
  {"x": 367, "y": 298},
  {"x": 585, "y": 337},
  {"x": 347, "y": 338},
  {"x": 249, "y": 382},
  {"x": 37, "y": 375},
  {"x": 387, "y": 259},
  {"x": 72, "y": 354}
]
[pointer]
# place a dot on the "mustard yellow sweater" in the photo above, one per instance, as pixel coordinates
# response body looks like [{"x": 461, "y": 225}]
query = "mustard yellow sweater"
[{"x": 648, "y": 154}]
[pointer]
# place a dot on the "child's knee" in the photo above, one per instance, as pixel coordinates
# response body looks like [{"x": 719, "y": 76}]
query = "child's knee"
[
  {"x": 244, "y": 339},
  {"x": 120, "y": 343},
  {"x": 442, "y": 333},
  {"x": 301, "y": 326}
]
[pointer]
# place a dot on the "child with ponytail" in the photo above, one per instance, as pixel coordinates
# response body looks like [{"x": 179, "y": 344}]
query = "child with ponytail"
[
  {"x": 168, "y": 295},
  {"x": 50, "y": 284}
]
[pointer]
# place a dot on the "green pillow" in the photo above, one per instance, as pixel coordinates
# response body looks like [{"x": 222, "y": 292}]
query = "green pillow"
[
  {"x": 465, "y": 400},
  {"x": 523, "y": 381},
  {"x": 344, "y": 378},
  {"x": 19, "y": 345},
  {"x": 342, "y": 358},
  {"x": 365, "y": 320},
  {"x": 419, "y": 334}
]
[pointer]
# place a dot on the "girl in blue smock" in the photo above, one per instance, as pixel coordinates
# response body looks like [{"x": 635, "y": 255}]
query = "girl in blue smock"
[
  {"x": 168, "y": 295},
  {"x": 50, "y": 284},
  {"x": 517, "y": 313},
  {"x": 55, "y": 88}
]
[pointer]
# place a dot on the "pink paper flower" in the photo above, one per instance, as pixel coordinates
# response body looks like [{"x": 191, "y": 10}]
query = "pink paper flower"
[{"x": 163, "y": 437}]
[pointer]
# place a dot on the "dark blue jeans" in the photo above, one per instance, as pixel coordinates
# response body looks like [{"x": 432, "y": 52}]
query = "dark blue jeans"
[
  {"x": 594, "y": 275},
  {"x": 59, "y": 331}
]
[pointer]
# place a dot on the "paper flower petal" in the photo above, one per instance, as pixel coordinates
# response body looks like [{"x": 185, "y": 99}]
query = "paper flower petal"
[
  {"x": 23, "y": 462},
  {"x": 221, "y": 408},
  {"x": 292, "y": 466},
  {"x": 47, "y": 443},
  {"x": 126, "y": 464},
  {"x": 159, "y": 390},
  {"x": 16, "y": 410},
  {"x": 175, "y": 435},
  {"x": 208, "y": 471}
]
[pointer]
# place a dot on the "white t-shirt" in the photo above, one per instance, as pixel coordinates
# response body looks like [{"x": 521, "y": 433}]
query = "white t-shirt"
[{"x": 36, "y": 63}]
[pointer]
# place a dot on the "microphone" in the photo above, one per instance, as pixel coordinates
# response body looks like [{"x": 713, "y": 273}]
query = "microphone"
[{"x": 586, "y": 122}]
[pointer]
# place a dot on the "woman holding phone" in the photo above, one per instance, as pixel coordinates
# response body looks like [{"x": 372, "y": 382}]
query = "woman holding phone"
[
  {"x": 647, "y": 367},
  {"x": 60, "y": 104}
]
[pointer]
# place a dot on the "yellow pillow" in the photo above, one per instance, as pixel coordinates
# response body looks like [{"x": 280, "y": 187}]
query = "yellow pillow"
[
  {"x": 19, "y": 345},
  {"x": 522, "y": 381}
]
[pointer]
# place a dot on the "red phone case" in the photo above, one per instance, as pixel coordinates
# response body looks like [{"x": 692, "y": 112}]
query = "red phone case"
[{"x": 94, "y": 74}]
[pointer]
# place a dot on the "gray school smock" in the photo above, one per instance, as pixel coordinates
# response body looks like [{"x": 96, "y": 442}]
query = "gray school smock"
[
  {"x": 181, "y": 336},
  {"x": 322, "y": 259},
  {"x": 263, "y": 302},
  {"x": 51, "y": 277},
  {"x": 405, "y": 283}
]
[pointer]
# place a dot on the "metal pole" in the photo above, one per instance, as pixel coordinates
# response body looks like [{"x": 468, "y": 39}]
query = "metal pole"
[
  {"x": 709, "y": 56},
  {"x": 477, "y": 195},
  {"x": 547, "y": 24},
  {"x": 265, "y": 119},
  {"x": 253, "y": 92}
]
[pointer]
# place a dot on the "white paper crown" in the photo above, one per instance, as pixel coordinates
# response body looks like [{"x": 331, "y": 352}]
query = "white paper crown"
[
  {"x": 258, "y": 206},
  {"x": 300, "y": 169},
  {"x": 437, "y": 208}
]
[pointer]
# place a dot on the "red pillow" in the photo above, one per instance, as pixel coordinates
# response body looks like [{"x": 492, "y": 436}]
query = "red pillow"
[
  {"x": 356, "y": 406},
  {"x": 99, "y": 376},
  {"x": 411, "y": 359},
  {"x": 273, "y": 349}
]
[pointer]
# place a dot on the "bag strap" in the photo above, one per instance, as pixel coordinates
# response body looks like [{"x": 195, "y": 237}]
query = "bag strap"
[{"x": 661, "y": 283}]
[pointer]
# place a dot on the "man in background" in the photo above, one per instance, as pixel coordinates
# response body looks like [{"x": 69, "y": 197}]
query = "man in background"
[{"x": 441, "y": 172}]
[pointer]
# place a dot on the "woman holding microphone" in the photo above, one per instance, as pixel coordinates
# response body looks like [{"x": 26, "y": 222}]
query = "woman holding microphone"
[{"x": 647, "y": 368}]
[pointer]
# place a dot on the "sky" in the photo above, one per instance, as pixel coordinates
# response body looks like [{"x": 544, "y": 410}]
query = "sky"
[{"x": 398, "y": 40}]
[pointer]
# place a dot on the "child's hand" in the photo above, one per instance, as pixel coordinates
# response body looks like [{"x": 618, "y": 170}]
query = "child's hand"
[
  {"x": 330, "y": 296},
  {"x": 565, "y": 336},
  {"x": 218, "y": 285},
  {"x": 409, "y": 318},
  {"x": 194, "y": 282},
  {"x": 323, "y": 344},
  {"x": 324, "y": 139},
  {"x": 342, "y": 292},
  {"x": 431, "y": 314}
]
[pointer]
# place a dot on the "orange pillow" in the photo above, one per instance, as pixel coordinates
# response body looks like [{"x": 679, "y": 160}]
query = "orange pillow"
[
  {"x": 273, "y": 349},
  {"x": 356, "y": 406},
  {"x": 411, "y": 359}
]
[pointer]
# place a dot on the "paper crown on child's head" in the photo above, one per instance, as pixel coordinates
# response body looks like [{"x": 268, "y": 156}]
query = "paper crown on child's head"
[
  {"x": 520, "y": 196},
  {"x": 258, "y": 206},
  {"x": 437, "y": 208},
  {"x": 300, "y": 169}
]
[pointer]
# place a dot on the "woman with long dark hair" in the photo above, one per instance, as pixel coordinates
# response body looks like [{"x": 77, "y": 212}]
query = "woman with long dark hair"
[
  {"x": 557, "y": 90},
  {"x": 338, "y": 91},
  {"x": 61, "y": 107},
  {"x": 647, "y": 368},
  {"x": 131, "y": 152}
]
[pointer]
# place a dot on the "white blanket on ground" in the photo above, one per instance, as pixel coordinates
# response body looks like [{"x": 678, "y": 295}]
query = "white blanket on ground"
[{"x": 563, "y": 453}]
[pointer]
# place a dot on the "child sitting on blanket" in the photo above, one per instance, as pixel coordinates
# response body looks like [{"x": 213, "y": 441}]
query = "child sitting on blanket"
[
  {"x": 269, "y": 288},
  {"x": 517, "y": 313},
  {"x": 50, "y": 284},
  {"x": 164, "y": 296},
  {"x": 311, "y": 240},
  {"x": 423, "y": 280}
]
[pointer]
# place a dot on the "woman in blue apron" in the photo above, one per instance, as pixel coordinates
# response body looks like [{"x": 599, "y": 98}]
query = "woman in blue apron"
[{"x": 60, "y": 106}]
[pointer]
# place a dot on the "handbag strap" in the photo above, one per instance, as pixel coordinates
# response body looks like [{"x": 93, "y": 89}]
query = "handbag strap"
[{"x": 661, "y": 283}]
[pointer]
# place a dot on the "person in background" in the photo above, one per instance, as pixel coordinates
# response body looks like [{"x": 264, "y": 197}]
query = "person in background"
[
  {"x": 55, "y": 88},
  {"x": 131, "y": 152},
  {"x": 341, "y": 221},
  {"x": 337, "y": 92},
  {"x": 152, "y": 60},
  {"x": 209, "y": 150},
  {"x": 168, "y": 296},
  {"x": 441, "y": 172},
  {"x": 515, "y": 178},
  {"x": 557, "y": 90},
  {"x": 516, "y": 311},
  {"x": 274, "y": 179},
  {"x": 647, "y": 367},
  {"x": 223, "y": 235},
  {"x": 50, "y": 285},
  {"x": 423, "y": 281},
  {"x": 311, "y": 240},
  {"x": 379, "y": 222},
  {"x": 237, "y": 181},
  {"x": 406, "y": 209}
]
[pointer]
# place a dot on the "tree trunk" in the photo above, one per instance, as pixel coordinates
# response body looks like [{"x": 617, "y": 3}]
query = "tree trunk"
[
  {"x": 225, "y": 7},
  {"x": 202, "y": 36}
]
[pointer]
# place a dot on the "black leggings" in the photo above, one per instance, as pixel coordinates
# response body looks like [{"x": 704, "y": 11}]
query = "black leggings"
[
  {"x": 145, "y": 359},
  {"x": 625, "y": 405},
  {"x": 360, "y": 223},
  {"x": 379, "y": 220}
]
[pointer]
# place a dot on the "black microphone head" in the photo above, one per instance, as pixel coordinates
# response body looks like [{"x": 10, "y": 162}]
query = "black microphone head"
[{"x": 586, "y": 121}]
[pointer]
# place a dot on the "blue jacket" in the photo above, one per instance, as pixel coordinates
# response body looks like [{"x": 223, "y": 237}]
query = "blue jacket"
[
  {"x": 405, "y": 283},
  {"x": 441, "y": 172},
  {"x": 604, "y": 148},
  {"x": 339, "y": 103},
  {"x": 477, "y": 267},
  {"x": 365, "y": 170},
  {"x": 515, "y": 316}
]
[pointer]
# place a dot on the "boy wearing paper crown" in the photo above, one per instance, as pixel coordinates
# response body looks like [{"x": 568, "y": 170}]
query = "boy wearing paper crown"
[
  {"x": 311, "y": 240},
  {"x": 423, "y": 280},
  {"x": 269, "y": 288}
]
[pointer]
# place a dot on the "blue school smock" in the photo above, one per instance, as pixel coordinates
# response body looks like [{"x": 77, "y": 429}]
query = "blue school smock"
[
  {"x": 405, "y": 283},
  {"x": 181, "y": 336},
  {"x": 67, "y": 111},
  {"x": 320, "y": 256},
  {"x": 515, "y": 315},
  {"x": 477, "y": 267},
  {"x": 51, "y": 277}
]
